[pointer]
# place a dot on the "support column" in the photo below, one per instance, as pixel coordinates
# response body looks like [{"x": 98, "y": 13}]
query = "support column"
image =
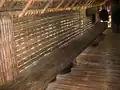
[
  {"x": 8, "y": 65},
  {"x": 115, "y": 19}
]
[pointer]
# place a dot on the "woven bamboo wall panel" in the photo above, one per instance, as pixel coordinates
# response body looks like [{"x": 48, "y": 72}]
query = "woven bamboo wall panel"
[{"x": 27, "y": 39}]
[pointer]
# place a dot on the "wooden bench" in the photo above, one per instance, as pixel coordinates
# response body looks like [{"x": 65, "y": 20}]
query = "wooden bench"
[{"x": 38, "y": 76}]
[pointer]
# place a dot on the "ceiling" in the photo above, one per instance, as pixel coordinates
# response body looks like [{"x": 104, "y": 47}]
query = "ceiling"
[
  {"x": 21, "y": 8},
  {"x": 40, "y": 4}
]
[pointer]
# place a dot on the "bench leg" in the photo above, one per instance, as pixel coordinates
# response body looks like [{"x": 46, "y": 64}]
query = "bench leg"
[{"x": 67, "y": 69}]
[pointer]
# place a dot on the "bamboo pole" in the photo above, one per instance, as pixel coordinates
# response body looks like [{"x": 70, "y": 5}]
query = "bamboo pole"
[
  {"x": 68, "y": 3},
  {"x": 74, "y": 3},
  {"x": 60, "y": 4},
  {"x": 25, "y": 8},
  {"x": 47, "y": 5}
]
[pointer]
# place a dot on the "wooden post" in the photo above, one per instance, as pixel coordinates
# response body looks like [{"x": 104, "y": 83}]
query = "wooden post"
[
  {"x": 115, "y": 6},
  {"x": 8, "y": 65}
]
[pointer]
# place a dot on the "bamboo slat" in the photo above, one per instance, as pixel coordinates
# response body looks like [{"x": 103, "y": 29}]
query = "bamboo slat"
[{"x": 25, "y": 40}]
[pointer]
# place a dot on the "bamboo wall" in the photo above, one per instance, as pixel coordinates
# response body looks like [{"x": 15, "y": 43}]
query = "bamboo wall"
[{"x": 25, "y": 40}]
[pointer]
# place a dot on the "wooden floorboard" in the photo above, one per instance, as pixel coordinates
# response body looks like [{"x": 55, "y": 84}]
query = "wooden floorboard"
[{"x": 97, "y": 68}]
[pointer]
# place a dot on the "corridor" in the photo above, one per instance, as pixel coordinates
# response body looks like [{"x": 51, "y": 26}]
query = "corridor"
[
  {"x": 98, "y": 68},
  {"x": 46, "y": 45}
]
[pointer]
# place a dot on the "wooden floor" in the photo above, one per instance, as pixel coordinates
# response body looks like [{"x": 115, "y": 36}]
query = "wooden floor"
[{"x": 98, "y": 68}]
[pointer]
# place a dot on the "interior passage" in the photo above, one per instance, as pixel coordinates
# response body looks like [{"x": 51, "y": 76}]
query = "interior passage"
[{"x": 98, "y": 68}]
